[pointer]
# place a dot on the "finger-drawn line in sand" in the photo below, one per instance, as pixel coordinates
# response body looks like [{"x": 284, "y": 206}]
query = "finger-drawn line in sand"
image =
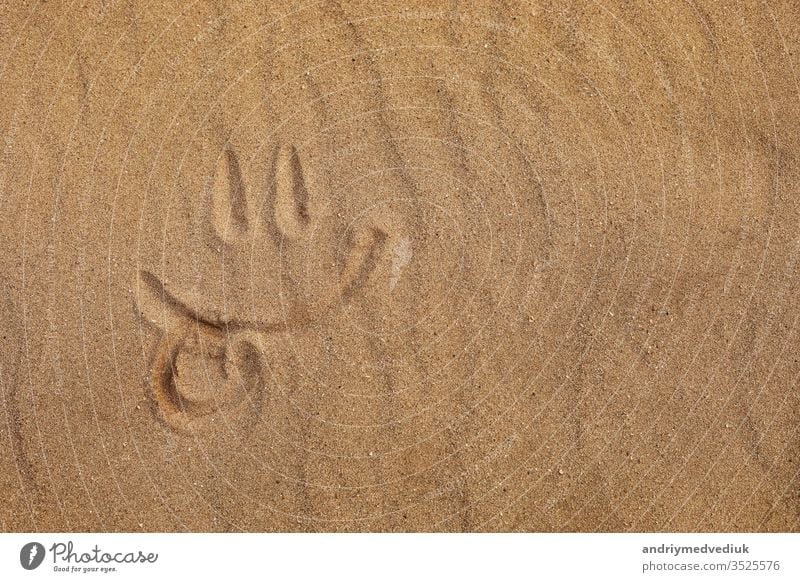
[
  {"x": 229, "y": 205},
  {"x": 364, "y": 250},
  {"x": 290, "y": 199},
  {"x": 208, "y": 372}
]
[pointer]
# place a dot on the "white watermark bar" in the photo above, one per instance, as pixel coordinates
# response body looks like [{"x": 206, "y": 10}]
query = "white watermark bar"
[{"x": 378, "y": 557}]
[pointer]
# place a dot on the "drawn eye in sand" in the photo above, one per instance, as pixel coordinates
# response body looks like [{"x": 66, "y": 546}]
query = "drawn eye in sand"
[
  {"x": 234, "y": 213},
  {"x": 208, "y": 373}
]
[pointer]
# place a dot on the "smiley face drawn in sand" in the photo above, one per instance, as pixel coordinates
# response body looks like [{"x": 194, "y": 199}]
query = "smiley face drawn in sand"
[{"x": 209, "y": 372}]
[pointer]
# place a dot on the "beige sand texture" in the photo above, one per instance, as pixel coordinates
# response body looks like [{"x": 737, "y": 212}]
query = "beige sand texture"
[{"x": 378, "y": 266}]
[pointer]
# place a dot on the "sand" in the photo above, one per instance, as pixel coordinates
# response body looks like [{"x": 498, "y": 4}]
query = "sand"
[{"x": 413, "y": 266}]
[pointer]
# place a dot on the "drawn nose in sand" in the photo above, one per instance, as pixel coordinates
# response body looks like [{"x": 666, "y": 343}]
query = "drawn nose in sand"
[{"x": 208, "y": 372}]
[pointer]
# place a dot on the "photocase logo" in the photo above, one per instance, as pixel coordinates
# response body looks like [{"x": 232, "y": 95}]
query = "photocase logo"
[{"x": 31, "y": 555}]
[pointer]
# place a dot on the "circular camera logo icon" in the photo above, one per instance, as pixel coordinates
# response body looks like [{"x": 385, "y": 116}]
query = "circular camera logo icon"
[{"x": 31, "y": 555}]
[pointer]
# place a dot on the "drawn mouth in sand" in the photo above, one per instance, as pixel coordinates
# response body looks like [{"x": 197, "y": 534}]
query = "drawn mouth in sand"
[{"x": 209, "y": 372}]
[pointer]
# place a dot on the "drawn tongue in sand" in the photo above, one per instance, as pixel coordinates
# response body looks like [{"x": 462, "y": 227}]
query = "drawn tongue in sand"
[{"x": 209, "y": 371}]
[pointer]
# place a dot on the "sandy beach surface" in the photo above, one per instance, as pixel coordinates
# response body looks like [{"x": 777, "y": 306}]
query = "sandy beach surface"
[{"x": 400, "y": 266}]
